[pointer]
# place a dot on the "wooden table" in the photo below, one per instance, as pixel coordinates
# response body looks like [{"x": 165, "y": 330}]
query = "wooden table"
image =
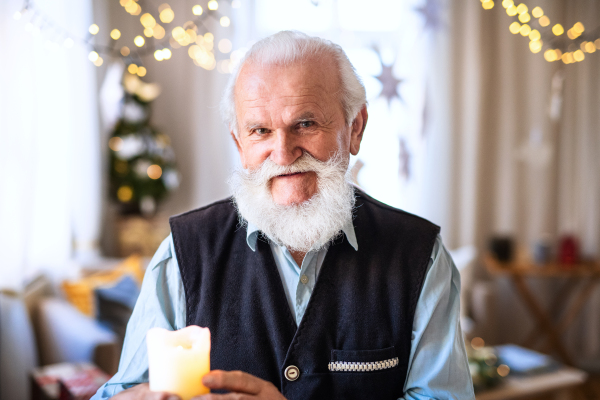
[
  {"x": 545, "y": 325},
  {"x": 555, "y": 384}
]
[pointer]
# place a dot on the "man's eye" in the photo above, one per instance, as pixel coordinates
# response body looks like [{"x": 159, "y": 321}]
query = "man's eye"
[
  {"x": 260, "y": 131},
  {"x": 306, "y": 124}
]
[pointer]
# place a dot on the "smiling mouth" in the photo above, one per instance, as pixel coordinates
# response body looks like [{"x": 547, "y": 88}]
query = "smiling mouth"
[{"x": 286, "y": 175}]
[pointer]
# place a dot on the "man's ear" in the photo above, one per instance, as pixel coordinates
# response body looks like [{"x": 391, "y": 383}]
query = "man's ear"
[
  {"x": 236, "y": 140},
  {"x": 358, "y": 127}
]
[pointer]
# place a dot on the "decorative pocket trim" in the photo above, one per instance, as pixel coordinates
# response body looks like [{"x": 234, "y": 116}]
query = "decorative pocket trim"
[{"x": 363, "y": 366}]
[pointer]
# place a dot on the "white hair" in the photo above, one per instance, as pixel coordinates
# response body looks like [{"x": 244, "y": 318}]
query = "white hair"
[
  {"x": 310, "y": 225},
  {"x": 287, "y": 47}
]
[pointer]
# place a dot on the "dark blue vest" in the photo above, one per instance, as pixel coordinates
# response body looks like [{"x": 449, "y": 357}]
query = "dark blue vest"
[{"x": 361, "y": 309}]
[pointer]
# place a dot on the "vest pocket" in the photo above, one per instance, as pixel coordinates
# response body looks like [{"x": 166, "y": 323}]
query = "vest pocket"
[{"x": 363, "y": 360}]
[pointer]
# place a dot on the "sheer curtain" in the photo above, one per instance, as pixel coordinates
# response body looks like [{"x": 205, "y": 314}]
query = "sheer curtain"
[
  {"x": 49, "y": 145},
  {"x": 514, "y": 168}
]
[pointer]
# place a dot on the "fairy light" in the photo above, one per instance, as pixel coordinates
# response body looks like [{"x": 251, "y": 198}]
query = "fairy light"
[
  {"x": 94, "y": 29},
  {"x": 537, "y": 15},
  {"x": 225, "y": 21},
  {"x": 167, "y": 15},
  {"x": 115, "y": 34},
  {"x": 139, "y": 41},
  {"x": 158, "y": 55},
  {"x": 132, "y": 69},
  {"x": 125, "y": 51},
  {"x": 93, "y": 56},
  {"x": 197, "y": 10},
  {"x": 141, "y": 71},
  {"x": 213, "y": 5}
]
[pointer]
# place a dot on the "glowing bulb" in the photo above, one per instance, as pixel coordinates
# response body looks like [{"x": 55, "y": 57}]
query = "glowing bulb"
[
  {"x": 178, "y": 33},
  {"x": 535, "y": 46},
  {"x": 225, "y": 45},
  {"x": 507, "y": 3},
  {"x": 511, "y": 11},
  {"x": 578, "y": 55},
  {"x": 534, "y": 35},
  {"x": 68, "y": 43},
  {"x": 115, "y": 143},
  {"x": 167, "y": 54},
  {"x": 503, "y": 370},
  {"x": 525, "y": 17},
  {"x": 559, "y": 54},
  {"x": 132, "y": 69},
  {"x": 537, "y": 12},
  {"x": 17, "y": 15},
  {"x": 141, "y": 71},
  {"x": 209, "y": 37},
  {"x": 159, "y": 32},
  {"x": 125, "y": 51},
  {"x": 225, "y": 21},
  {"x": 522, "y": 8},
  {"x": 488, "y": 4},
  {"x": 544, "y": 21},
  {"x": 589, "y": 47},
  {"x": 124, "y": 194},
  {"x": 162, "y": 7},
  {"x": 525, "y": 30},
  {"x": 154, "y": 171},
  {"x": 94, "y": 29},
  {"x": 558, "y": 29},
  {"x": 579, "y": 28},
  {"x": 167, "y": 15},
  {"x": 147, "y": 20},
  {"x": 148, "y": 32},
  {"x": 197, "y": 10},
  {"x": 93, "y": 56},
  {"x": 550, "y": 55},
  {"x": 213, "y": 5},
  {"x": 158, "y": 55},
  {"x": 115, "y": 34},
  {"x": 477, "y": 343},
  {"x": 139, "y": 41},
  {"x": 567, "y": 58}
]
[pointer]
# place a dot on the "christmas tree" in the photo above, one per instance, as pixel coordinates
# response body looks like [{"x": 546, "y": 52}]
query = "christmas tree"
[{"x": 142, "y": 162}]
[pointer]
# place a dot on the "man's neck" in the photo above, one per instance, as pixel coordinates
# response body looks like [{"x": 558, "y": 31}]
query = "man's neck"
[{"x": 298, "y": 257}]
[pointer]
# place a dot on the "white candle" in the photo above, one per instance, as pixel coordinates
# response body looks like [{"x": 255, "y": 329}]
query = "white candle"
[{"x": 178, "y": 360}]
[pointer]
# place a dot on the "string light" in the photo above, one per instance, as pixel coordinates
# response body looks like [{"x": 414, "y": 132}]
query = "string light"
[
  {"x": 197, "y": 10},
  {"x": 132, "y": 69},
  {"x": 558, "y": 29},
  {"x": 125, "y": 194},
  {"x": 487, "y": 4},
  {"x": 154, "y": 171},
  {"x": 536, "y": 44},
  {"x": 115, "y": 34},
  {"x": 213, "y": 5},
  {"x": 180, "y": 36}
]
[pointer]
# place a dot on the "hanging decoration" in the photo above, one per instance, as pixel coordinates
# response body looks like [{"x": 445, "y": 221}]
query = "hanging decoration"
[
  {"x": 569, "y": 49},
  {"x": 432, "y": 12},
  {"x": 389, "y": 82},
  {"x": 157, "y": 38}
]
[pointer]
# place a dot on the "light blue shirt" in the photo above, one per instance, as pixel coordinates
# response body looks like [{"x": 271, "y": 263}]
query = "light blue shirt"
[{"x": 438, "y": 367}]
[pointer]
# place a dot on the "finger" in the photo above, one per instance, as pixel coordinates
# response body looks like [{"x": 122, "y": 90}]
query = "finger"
[
  {"x": 234, "y": 381},
  {"x": 228, "y": 396}
]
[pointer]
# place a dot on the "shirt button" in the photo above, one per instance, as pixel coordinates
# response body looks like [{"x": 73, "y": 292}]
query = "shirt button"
[
  {"x": 304, "y": 279},
  {"x": 291, "y": 373}
]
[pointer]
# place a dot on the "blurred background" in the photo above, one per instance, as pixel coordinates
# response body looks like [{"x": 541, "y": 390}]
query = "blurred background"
[{"x": 484, "y": 118}]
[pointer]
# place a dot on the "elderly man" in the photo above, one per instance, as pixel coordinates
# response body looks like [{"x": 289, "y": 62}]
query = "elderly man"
[{"x": 311, "y": 289}]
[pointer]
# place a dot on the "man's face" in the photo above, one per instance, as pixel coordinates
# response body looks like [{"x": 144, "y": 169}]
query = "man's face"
[{"x": 284, "y": 111}]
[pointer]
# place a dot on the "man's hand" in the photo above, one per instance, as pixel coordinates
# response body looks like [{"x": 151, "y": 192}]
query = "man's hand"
[
  {"x": 142, "y": 392},
  {"x": 242, "y": 386}
]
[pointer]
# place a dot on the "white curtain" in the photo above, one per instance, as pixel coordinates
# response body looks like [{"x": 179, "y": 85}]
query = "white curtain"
[
  {"x": 49, "y": 145},
  {"x": 513, "y": 169}
]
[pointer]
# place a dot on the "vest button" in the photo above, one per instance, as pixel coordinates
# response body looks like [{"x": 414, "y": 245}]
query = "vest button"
[
  {"x": 304, "y": 279},
  {"x": 292, "y": 373}
]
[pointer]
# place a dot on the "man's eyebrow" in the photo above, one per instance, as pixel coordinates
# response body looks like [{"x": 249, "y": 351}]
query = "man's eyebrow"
[
  {"x": 306, "y": 116},
  {"x": 252, "y": 125}
]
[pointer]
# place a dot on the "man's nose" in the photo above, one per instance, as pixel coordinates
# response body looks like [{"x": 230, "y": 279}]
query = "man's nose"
[{"x": 286, "y": 148}]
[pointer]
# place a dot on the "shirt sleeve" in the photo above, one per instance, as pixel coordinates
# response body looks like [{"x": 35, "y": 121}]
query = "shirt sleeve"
[
  {"x": 438, "y": 366},
  {"x": 161, "y": 303}
]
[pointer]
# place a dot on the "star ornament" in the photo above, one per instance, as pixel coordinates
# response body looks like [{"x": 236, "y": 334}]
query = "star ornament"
[
  {"x": 389, "y": 83},
  {"x": 432, "y": 12}
]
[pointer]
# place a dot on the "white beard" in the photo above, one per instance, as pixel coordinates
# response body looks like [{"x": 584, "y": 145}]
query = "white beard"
[{"x": 299, "y": 227}]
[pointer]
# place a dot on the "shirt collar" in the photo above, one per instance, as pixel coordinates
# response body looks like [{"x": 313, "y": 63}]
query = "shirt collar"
[{"x": 252, "y": 235}]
